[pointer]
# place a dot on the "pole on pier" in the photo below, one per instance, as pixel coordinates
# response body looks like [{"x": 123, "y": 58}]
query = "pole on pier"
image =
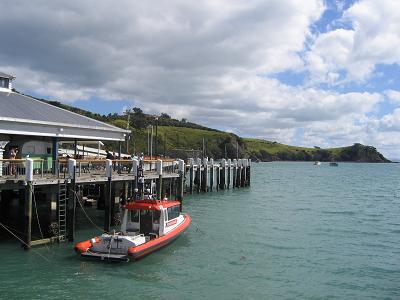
[
  {"x": 222, "y": 181},
  {"x": 159, "y": 184},
  {"x": 243, "y": 173},
  {"x": 204, "y": 179},
  {"x": 198, "y": 175},
  {"x": 229, "y": 173},
  {"x": 211, "y": 174},
  {"x": 248, "y": 172},
  {"x": 54, "y": 155},
  {"x": 75, "y": 147},
  {"x": 71, "y": 203},
  {"x": 108, "y": 197},
  {"x": 119, "y": 149},
  {"x": 245, "y": 166},
  {"x": 191, "y": 175},
  {"x": 181, "y": 168},
  {"x": 28, "y": 204},
  {"x": 135, "y": 172}
]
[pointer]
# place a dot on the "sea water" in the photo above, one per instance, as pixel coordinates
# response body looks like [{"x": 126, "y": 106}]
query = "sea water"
[{"x": 299, "y": 232}]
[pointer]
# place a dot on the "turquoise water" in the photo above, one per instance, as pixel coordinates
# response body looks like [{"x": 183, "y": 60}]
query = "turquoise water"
[{"x": 300, "y": 231}]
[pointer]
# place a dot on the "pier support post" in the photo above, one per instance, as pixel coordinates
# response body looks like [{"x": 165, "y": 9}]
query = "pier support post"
[
  {"x": 234, "y": 173},
  {"x": 211, "y": 174},
  {"x": 191, "y": 175},
  {"x": 108, "y": 197},
  {"x": 238, "y": 174},
  {"x": 181, "y": 168},
  {"x": 27, "y": 238},
  {"x": 243, "y": 173},
  {"x": 229, "y": 174},
  {"x": 28, "y": 216},
  {"x": 204, "y": 179},
  {"x": 217, "y": 176},
  {"x": 248, "y": 171},
  {"x": 71, "y": 203},
  {"x": 222, "y": 181}
]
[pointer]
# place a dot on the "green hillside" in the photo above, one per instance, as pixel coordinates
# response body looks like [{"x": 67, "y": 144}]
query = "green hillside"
[
  {"x": 180, "y": 138},
  {"x": 270, "y": 151},
  {"x": 188, "y": 142}
]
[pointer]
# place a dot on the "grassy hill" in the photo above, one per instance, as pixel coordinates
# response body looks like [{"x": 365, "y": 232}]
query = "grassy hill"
[
  {"x": 269, "y": 151},
  {"x": 188, "y": 142},
  {"x": 180, "y": 138}
]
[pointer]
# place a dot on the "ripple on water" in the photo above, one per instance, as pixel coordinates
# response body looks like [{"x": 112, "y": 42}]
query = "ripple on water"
[{"x": 297, "y": 232}]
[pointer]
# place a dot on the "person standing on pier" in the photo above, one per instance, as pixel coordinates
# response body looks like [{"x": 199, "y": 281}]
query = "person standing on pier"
[
  {"x": 13, "y": 155},
  {"x": 109, "y": 155}
]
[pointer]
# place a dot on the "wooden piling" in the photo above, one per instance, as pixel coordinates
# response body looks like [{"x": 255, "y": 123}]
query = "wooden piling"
[
  {"x": 71, "y": 201},
  {"x": 248, "y": 172},
  {"x": 229, "y": 174},
  {"x": 191, "y": 178},
  {"x": 108, "y": 197},
  {"x": 211, "y": 175},
  {"x": 27, "y": 215},
  {"x": 222, "y": 181},
  {"x": 181, "y": 170},
  {"x": 234, "y": 173},
  {"x": 204, "y": 179}
]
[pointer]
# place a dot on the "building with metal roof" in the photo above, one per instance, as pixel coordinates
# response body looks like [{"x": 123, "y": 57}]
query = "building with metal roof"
[
  {"x": 24, "y": 120},
  {"x": 26, "y": 116}
]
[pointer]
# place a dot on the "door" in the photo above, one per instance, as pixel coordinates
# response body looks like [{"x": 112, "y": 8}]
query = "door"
[{"x": 146, "y": 221}]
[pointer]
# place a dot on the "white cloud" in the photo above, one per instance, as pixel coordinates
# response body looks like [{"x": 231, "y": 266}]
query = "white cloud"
[
  {"x": 373, "y": 39},
  {"x": 393, "y": 96},
  {"x": 209, "y": 61}
]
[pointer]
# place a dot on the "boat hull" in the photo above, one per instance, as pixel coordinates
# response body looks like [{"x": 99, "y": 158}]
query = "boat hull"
[{"x": 134, "y": 253}]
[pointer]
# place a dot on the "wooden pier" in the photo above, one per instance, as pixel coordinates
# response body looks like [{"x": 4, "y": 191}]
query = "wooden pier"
[{"x": 114, "y": 181}]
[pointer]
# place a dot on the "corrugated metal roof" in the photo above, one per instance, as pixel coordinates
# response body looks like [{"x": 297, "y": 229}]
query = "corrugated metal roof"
[
  {"x": 4, "y": 75},
  {"x": 16, "y": 107}
]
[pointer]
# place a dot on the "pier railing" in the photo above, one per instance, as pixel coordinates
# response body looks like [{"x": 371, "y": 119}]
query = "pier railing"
[
  {"x": 118, "y": 167},
  {"x": 16, "y": 168}
]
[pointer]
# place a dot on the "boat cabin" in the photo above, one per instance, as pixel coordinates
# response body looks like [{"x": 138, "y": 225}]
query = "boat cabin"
[{"x": 151, "y": 217}]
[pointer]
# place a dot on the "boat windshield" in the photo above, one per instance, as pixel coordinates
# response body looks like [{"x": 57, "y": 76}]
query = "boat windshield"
[
  {"x": 156, "y": 216},
  {"x": 173, "y": 212},
  {"x": 135, "y": 215}
]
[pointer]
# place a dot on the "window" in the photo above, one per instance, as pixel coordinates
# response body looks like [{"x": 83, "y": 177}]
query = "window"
[
  {"x": 156, "y": 216},
  {"x": 135, "y": 216},
  {"x": 4, "y": 83},
  {"x": 173, "y": 212}
]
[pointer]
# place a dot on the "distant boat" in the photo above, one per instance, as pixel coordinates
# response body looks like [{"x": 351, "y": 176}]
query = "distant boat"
[
  {"x": 333, "y": 164},
  {"x": 317, "y": 163}
]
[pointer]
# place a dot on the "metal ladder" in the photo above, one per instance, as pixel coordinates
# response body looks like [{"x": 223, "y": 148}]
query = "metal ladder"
[{"x": 62, "y": 211}]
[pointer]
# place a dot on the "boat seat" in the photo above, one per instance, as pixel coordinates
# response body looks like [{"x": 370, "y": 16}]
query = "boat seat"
[{"x": 132, "y": 232}]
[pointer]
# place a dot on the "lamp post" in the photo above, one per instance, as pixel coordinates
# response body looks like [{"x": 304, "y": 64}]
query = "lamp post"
[
  {"x": 150, "y": 140},
  {"x": 155, "y": 142},
  {"x": 128, "y": 136}
]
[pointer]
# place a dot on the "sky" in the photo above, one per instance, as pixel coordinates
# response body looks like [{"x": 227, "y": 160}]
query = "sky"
[{"x": 301, "y": 72}]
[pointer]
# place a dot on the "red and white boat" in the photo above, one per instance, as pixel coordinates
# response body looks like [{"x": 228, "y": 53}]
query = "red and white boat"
[{"x": 147, "y": 226}]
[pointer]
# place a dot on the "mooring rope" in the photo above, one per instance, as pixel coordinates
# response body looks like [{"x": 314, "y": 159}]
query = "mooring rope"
[
  {"x": 32, "y": 191},
  {"x": 12, "y": 233},
  {"x": 87, "y": 216}
]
